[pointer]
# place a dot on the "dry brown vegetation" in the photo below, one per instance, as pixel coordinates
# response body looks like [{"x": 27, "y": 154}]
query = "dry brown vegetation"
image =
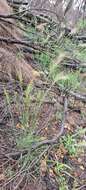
[{"x": 10, "y": 65}]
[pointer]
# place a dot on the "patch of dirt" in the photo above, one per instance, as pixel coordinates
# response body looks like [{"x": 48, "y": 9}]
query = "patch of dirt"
[
  {"x": 13, "y": 67},
  {"x": 4, "y": 8},
  {"x": 10, "y": 65}
]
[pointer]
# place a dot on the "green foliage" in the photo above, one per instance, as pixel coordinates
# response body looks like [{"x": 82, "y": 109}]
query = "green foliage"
[
  {"x": 19, "y": 55},
  {"x": 9, "y": 102},
  {"x": 81, "y": 25},
  {"x": 54, "y": 71},
  {"x": 67, "y": 81},
  {"x": 24, "y": 117},
  {"x": 31, "y": 33},
  {"x": 8, "y": 98},
  {"x": 79, "y": 133},
  {"x": 80, "y": 53},
  {"x": 27, "y": 140},
  {"x": 61, "y": 167},
  {"x": 29, "y": 113},
  {"x": 59, "y": 115},
  {"x": 29, "y": 117},
  {"x": 69, "y": 46},
  {"x": 74, "y": 50},
  {"x": 44, "y": 59},
  {"x": 83, "y": 114},
  {"x": 70, "y": 144},
  {"x": 9, "y": 172},
  {"x": 62, "y": 183},
  {"x": 71, "y": 81}
]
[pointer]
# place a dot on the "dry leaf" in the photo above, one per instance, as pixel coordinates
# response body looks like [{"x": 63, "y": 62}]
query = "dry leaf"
[
  {"x": 41, "y": 27},
  {"x": 79, "y": 160},
  {"x": 51, "y": 172},
  {"x": 2, "y": 177},
  {"x": 19, "y": 126},
  {"x": 43, "y": 167},
  {"x": 68, "y": 127},
  {"x": 81, "y": 167},
  {"x": 35, "y": 73},
  {"x": 63, "y": 150}
]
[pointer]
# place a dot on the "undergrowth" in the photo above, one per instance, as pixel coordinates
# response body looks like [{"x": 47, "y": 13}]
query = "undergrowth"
[
  {"x": 27, "y": 138},
  {"x": 29, "y": 107}
]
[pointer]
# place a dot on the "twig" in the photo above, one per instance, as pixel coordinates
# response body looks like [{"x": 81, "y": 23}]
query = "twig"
[
  {"x": 29, "y": 10},
  {"x": 74, "y": 65},
  {"x": 26, "y": 169},
  {"x": 83, "y": 38},
  {"x": 78, "y": 96},
  {"x": 55, "y": 139},
  {"x": 20, "y": 182},
  {"x": 14, "y": 17},
  {"x": 81, "y": 187},
  {"x": 79, "y": 38},
  {"x": 60, "y": 90},
  {"x": 17, "y": 2}
]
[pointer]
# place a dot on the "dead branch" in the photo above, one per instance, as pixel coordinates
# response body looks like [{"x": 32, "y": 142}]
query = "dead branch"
[
  {"x": 60, "y": 90},
  {"x": 78, "y": 96},
  {"x": 26, "y": 170},
  {"x": 20, "y": 42},
  {"x": 83, "y": 38},
  {"x": 81, "y": 187},
  {"x": 78, "y": 38},
  {"x": 17, "y": 2},
  {"x": 74, "y": 66},
  {"x": 20, "y": 181},
  {"x": 14, "y": 17}
]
